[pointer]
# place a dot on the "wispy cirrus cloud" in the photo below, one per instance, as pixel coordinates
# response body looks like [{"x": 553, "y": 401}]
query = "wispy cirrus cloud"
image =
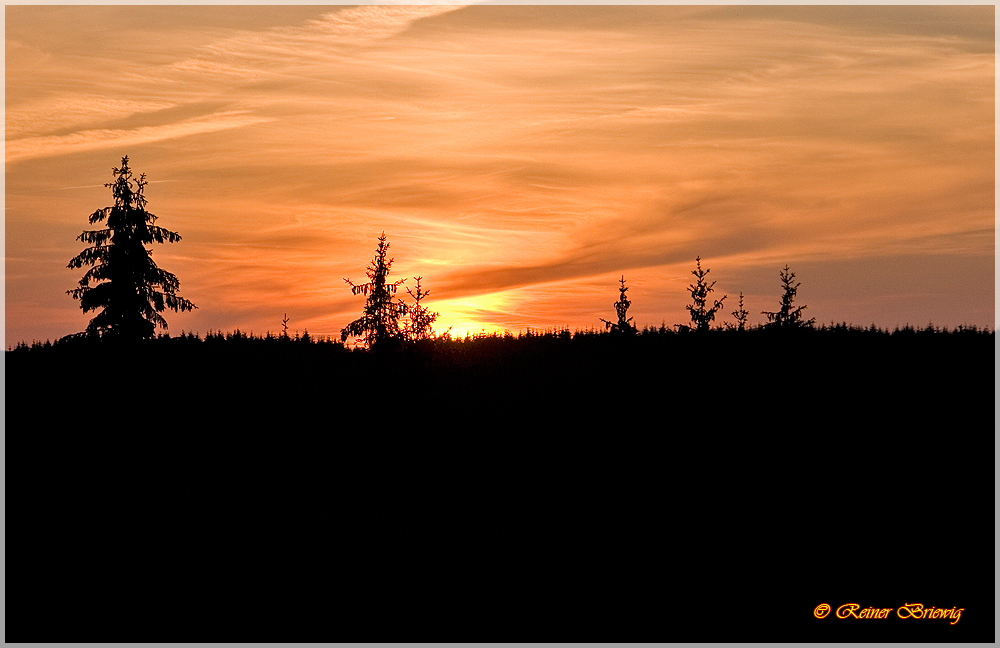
[
  {"x": 69, "y": 113},
  {"x": 218, "y": 71},
  {"x": 119, "y": 139}
]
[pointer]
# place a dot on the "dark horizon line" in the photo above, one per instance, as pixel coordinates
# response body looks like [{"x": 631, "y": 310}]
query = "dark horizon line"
[{"x": 561, "y": 332}]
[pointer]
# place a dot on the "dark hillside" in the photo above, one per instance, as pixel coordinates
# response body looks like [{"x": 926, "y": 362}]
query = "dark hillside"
[{"x": 585, "y": 487}]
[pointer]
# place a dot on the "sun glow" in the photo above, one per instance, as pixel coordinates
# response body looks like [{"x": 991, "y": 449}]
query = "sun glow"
[{"x": 482, "y": 314}]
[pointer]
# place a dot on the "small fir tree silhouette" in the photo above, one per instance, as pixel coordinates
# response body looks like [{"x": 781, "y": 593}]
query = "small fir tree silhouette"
[
  {"x": 621, "y": 306},
  {"x": 284, "y": 327},
  {"x": 786, "y": 316},
  {"x": 421, "y": 319},
  {"x": 380, "y": 322},
  {"x": 701, "y": 314},
  {"x": 131, "y": 291},
  {"x": 741, "y": 315}
]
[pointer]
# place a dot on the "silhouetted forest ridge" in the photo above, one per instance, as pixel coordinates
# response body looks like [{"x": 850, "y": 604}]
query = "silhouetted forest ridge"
[
  {"x": 520, "y": 370},
  {"x": 534, "y": 367},
  {"x": 554, "y": 485},
  {"x": 470, "y": 340}
]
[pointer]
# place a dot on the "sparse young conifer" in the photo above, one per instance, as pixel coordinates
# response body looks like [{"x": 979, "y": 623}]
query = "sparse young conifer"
[
  {"x": 421, "y": 320},
  {"x": 701, "y": 314},
  {"x": 624, "y": 324},
  {"x": 786, "y": 316},
  {"x": 741, "y": 315}
]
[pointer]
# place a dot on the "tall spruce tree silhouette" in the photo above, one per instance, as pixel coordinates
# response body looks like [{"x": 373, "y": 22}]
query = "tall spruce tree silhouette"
[
  {"x": 379, "y": 326},
  {"x": 621, "y": 306},
  {"x": 131, "y": 290},
  {"x": 702, "y": 314},
  {"x": 787, "y": 317}
]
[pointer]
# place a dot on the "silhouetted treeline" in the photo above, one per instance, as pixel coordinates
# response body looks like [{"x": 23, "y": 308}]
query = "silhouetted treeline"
[
  {"x": 551, "y": 486},
  {"x": 305, "y": 338}
]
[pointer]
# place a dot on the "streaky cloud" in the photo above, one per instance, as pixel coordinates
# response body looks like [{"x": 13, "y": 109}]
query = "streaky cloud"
[{"x": 57, "y": 145}]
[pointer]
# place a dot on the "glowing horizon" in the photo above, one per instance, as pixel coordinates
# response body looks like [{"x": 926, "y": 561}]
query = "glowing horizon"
[{"x": 521, "y": 159}]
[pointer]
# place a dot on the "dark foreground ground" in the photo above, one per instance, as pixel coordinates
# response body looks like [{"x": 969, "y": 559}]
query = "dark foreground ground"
[{"x": 656, "y": 488}]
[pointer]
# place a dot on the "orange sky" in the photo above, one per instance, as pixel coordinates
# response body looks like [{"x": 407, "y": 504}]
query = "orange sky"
[{"x": 520, "y": 158}]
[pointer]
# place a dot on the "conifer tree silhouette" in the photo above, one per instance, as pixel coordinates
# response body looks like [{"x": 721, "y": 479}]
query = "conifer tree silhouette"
[
  {"x": 741, "y": 315},
  {"x": 621, "y": 306},
  {"x": 131, "y": 291},
  {"x": 380, "y": 322},
  {"x": 701, "y": 314},
  {"x": 421, "y": 319},
  {"x": 786, "y": 316}
]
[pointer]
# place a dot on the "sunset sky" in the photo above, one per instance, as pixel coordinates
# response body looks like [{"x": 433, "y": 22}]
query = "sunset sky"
[{"x": 521, "y": 159}]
